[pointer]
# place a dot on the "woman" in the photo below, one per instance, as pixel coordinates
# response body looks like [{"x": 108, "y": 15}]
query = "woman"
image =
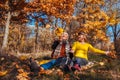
[
  {"x": 60, "y": 55},
  {"x": 60, "y": 52},
  {"x": 61, "y": 47},
  {"x": 80, "y": 49}
]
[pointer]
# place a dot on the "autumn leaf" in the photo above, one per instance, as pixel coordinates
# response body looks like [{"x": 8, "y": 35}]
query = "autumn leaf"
[
  {"x": 112, "y": 21},
  {"x": 60, "y": 72},
  {"x": 112, "y": 54},
  {"x": 3, "y": 73},
  {"x": 47, "y": 72},
  {"x": 67, "y": 77},
  {"x": 23, "y": 57},
  {"x": 59, "y": 31},
  {"x": 47, "y": 26},
  {"x": 22, "y": 75},
  {"x": 101, "y": 63}
]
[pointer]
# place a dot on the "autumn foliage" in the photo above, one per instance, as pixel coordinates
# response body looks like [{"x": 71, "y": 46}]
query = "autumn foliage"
[
  {"x": 93, "y": 20},
  {"x": 58, "y": 8},
  {"x": 30, "y": 26}
]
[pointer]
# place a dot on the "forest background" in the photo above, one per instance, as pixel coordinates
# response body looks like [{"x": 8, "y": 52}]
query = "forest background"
[{"x": 28, "y": 26}]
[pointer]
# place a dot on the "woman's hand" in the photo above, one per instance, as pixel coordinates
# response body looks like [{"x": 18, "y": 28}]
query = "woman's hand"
[
  {"x": 111, "y": 54},
  {"x": 107, "y": 52}
]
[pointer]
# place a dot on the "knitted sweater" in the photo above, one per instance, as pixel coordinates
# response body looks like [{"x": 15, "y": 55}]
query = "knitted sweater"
[{"x": 81, "y": 50}]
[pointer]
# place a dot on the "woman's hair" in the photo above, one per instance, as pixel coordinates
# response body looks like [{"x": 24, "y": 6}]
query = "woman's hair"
[
  {"x": 65, "y": 34},
  {"x": 82, "y": 33}
]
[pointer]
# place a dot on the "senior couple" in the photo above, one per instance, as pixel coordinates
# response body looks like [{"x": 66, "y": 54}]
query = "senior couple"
[{"x": 70, "y": 57}]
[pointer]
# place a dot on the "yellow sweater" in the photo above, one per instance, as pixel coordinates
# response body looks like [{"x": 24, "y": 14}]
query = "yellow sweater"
[{"x": 81, "y": 50}]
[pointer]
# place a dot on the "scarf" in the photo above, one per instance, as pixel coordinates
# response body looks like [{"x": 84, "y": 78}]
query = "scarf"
[{"x": 58, "y": 48}]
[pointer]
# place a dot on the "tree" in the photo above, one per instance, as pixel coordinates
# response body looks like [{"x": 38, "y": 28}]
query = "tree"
[
  {"x": 12, "y": 8},
  {"x": 113, "y": 11},
  {"x": 92, "y": 19},
  {"x": 60, "y": 9},
  {"x": 7, "y": 27}
]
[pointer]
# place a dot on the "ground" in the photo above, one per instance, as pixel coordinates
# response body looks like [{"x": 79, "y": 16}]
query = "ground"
[{"x": 14, "y": 67}]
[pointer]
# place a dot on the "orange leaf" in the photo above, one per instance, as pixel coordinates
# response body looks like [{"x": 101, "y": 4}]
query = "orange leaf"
[{"x": 3, "y": 73}]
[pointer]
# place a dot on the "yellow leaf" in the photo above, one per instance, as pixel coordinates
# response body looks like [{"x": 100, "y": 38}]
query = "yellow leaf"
[
  {"x": 91, "y": 17},
  {"x": 59, "y": 31},
  {"x": 43, "y": 62},
  {"x": 3, "y": 73},
  {"x": 101, "y": 63},
  {"x": 95, "y": 37},
  {"x": 47, "y": 26},
  {"x": 23, "y": 57},
  {"x": 112, "y": 21},
  {"x": 118, "y": 20},
  {"x": 88, "y": 1}
]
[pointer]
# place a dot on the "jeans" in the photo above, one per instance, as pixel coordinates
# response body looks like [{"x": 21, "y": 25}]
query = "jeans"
[
  {"x": 57, "y": 63},
  {"x": 80, "y": 61},
  {"x": 48, "y": 65},
  {"x": 62, "y": 61}
]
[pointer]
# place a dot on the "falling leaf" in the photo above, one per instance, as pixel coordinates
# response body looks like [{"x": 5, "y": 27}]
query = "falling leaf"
[
  {"x": 59, "y": 31},
  {"x": 47, "y": 26}
]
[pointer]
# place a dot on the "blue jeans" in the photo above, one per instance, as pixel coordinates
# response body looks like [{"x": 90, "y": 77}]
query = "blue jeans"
[
  {"x": 80, "y": 61},
  {"x": 62, "y": 61},
  {"x": 48, "y": 65},
  {"x": 57, "y": 63}
]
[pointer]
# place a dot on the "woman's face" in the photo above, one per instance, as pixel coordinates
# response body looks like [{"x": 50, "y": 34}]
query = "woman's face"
[
  {"x": 81, "y": 38},
  {"x": 64, "y": 36}
]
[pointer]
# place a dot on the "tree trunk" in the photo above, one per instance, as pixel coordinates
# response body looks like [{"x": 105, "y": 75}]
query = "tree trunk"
[
  {"x": 5, "y": 40},
  {"x": 115, "y": 36},
  {"x": 115, "y": 33},
  {"x": 36, "y": 36}
]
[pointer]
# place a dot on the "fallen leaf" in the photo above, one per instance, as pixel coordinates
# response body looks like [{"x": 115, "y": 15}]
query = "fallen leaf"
[
  {"x": 101, "y": 63},
  {"x": 3, "y": 73}
]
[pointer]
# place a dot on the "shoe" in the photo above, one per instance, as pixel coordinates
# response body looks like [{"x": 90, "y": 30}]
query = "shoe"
[
  {"x": 34, "y": 67},
  {"x": 76, "y": 66}
]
